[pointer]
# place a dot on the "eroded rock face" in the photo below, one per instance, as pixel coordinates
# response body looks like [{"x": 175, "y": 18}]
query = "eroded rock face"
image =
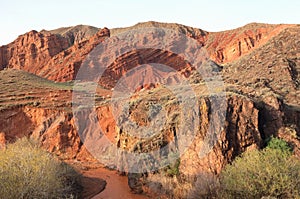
[
  {"x": 74, "y": 34},
  {"x": 31, "y": 51},
  {"x": 54, "y": 129},
  {"x": 57, "y": 55},
  {"x": 177, "y": 69},
  {"x": 47, "y": 55},
  {"x": 69, "y": 61},
  {"x": 58, "y": 133},
  {"x": 195, "y": 33},
  {"x": 240, "y": 133},
  {"x": 228, "y": 46}
]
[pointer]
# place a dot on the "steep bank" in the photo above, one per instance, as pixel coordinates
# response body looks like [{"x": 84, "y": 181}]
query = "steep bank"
[{"x": 244, "y": 126}]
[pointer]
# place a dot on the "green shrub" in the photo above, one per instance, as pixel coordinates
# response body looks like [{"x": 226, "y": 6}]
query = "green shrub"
[
  {"x": 271, "y": 172},
  {"x": 279, "y": 144},
  {"x": 27, "y": 171},
  {"x": 173, "y": 169}
]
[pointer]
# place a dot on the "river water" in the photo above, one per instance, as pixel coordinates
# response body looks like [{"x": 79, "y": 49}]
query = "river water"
[{"x": 116, "y": 187}]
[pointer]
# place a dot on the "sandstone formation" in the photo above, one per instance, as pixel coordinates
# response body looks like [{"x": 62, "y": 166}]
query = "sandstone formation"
[
  {"x": 39, "y": 53},
  {"x": 66, "y": 53},
  {"x": 31, "y": 51},
  {"x": 227, "y": 46},
  {"x": 69, "y": 61},
  {"x": 58, "y": 133}
]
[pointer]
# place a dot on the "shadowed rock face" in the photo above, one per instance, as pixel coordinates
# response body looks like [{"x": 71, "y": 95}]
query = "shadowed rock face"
[{"x": 240, "y": 133}]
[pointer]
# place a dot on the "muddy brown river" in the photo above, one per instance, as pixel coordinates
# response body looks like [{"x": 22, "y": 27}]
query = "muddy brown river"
[{"x": 116, "y": 187}]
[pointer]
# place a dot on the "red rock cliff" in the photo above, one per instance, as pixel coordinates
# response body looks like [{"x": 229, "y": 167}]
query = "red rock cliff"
[{"x": 31, "y": 51}]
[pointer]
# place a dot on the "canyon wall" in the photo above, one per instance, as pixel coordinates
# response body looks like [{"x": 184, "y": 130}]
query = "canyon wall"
[{"x": 57, "y": 131}]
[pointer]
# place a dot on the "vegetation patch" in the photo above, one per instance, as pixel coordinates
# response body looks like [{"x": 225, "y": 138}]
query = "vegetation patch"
[
  {"x": 271, "y": 172},
  {"x": 27, "y": 171}
]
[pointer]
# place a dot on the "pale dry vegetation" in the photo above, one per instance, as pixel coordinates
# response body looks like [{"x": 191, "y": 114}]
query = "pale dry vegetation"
[{"x": 27, "y": 171}]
